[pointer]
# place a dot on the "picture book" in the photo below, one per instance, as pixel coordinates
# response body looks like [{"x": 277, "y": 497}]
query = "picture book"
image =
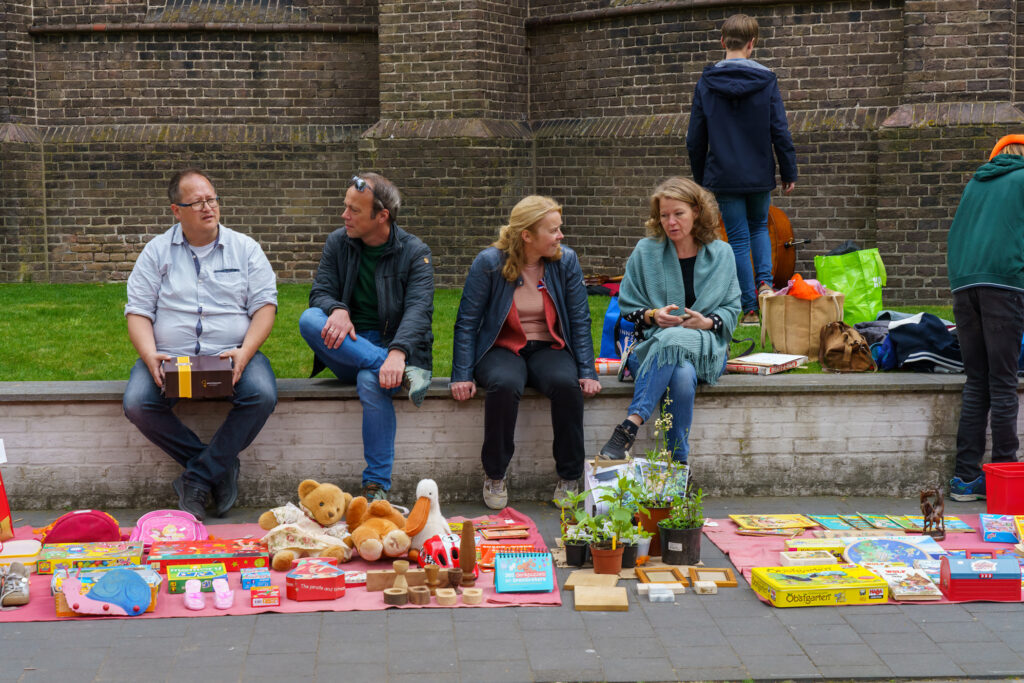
[
  {"x": 830, "y": 545},
  {"x": 929, "y": 567},
  {"x": 908, "y": 583},
  {"x": 831, "y": 521},
  {"x": 1018, "y": 527},
  {"x": 772, "y": 521},
  {"x": 905, "y": 522},
  {"x": 856, "y": 521},
  {"x": 903, "y": 549},
  {"x": 523, "y": 572},
  {"x": 879, "y": 521},
  {"x": 998, "y": 528},
  {"x": 495, "y": 534},
  {"x": 953, "y": 524},
  {"x": 765, "y": 363},
  {"x": 830, "y": 584},
  {"x": 785, "y": 533}
]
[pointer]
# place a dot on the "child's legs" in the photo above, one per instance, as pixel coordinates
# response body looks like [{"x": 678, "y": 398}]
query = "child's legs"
[
  {"x": 734, "y": 215},
  {"x": 760, "y": 240}
]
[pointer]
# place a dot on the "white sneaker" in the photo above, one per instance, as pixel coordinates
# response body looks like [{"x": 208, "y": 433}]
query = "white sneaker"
[
  {"x": 563, "y": 490},
  {"x": 495, "y": 494}
]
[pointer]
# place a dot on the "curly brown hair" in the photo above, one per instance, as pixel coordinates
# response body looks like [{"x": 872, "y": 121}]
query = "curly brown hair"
[{"x": 705, "y": 227}]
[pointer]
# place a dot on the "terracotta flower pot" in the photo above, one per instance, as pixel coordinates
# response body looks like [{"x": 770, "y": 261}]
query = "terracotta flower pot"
[
  {"x": 680, "y": 546},
  {"x": 576, "y": 553},
  {"x": 651, "y": 524},
  {"x": 606, "y": 560}
]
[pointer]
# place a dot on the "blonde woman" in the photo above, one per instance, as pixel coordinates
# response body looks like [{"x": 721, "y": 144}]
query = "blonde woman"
[
  {"x": 681, "y": 291},
  {"x": 524, "y": 320}
]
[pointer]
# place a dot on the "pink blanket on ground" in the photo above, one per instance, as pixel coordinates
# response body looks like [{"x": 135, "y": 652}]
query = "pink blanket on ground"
[
  {"x": 41, "y": 605},
  {"x": 747, "y": 552}
]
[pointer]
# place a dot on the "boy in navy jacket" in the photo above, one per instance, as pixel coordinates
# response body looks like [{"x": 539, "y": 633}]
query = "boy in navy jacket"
[{"x": 737, "y": 130}]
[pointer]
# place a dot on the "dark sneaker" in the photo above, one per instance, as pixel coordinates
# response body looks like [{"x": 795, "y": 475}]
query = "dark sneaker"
[
  {"x": 417, "y": 381},
  {"x": 226, "y": 492},
  {"x": 373, "y": 491},
  {"x": 495, "y": 494},
  {"x": 191, "y": 498},
  {"x": 963, "y": 492},
  {"x": 622, "y": 440},
  {"x": 750, "y": 319}
]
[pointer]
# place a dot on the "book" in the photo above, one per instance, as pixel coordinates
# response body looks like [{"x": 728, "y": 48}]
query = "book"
[
  {"x": 929, "y": 567},
  {"x": 953, "y": 524},
  {"x": 523, "y": 573},
  {"x": 879, "y": 521},
  {"x": 765, "y": 363},
  {"x": 785, "y": 533},
  {"x": 513, "y": 531},
  {"x": 904, "y": 522},
  {"x": 998, "y": 528},
  {"x": 907, "y": 583},
  {"x": 856, "y": 521},
  {"x": 831, "y": 521},
  {"x": 771, "y": 521},
  {"x": 1018, "y": 526}
]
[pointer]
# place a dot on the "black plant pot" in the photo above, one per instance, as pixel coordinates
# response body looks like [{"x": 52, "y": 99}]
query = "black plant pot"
[
  {"x": 628, "y": 555},
  {"x": 680, "y": 546},
  {"x": 576, "y": 553}
]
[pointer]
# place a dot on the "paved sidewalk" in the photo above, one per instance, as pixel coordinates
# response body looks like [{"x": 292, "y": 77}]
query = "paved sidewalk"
[{"x": 729, "y": 636}]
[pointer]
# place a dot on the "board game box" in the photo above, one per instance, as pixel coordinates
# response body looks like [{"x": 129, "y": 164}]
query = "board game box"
[
  {"x": 56, "y": 556},
  {"x": 817, "y": 585},
  {"x": 233, "y": 553}
]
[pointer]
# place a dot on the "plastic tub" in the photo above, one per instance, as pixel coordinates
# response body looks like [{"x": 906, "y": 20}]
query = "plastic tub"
[{"x": 1004, "y": 488}]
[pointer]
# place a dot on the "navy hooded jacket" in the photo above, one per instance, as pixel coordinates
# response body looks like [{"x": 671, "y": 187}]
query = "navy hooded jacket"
[{"x": 736, "y": 122}]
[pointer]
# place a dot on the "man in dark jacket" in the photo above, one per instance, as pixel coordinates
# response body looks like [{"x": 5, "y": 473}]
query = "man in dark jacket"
[
  {"x": 985, "y": 260},
  {"x": 736, "y": 122},
  {"x": 370, "y": 313}
]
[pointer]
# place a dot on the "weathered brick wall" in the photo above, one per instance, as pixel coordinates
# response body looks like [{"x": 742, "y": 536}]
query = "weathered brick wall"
[
  {"x": 16, "y": 94},
  {"x": 23, "y": 249}
]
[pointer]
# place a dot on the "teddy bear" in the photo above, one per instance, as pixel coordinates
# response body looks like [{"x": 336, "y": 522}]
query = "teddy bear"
[
  {"x": 314, "y": 527},
  {"x": 378, "y": 529}
]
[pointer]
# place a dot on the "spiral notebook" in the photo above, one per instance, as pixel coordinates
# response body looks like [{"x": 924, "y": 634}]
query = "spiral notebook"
[{"x": 523, "y": 573}]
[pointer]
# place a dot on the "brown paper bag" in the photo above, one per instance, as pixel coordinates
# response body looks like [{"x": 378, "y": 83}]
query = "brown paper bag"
[{"x": 794, "y": 325}]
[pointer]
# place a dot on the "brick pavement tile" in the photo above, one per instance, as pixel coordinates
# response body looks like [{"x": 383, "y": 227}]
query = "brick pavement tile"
[
  {"x": 415, "y": 678},
  {"x": 736, "y": 608},
  {"x": 513, "y": 671},
  {"x": 238, "y": 638},
  {"x": 957, "y": 632},
  {"x": 155, "y": 628},
  {"x": 765, "y": 644},
  {"x": 802, "y": 617},
  {"x": 840, "y": 655},
  {"x": 342, "y": 650},
  {"x": 285, "y": 666},
  {"x": 403, "y": 621},
  {"x": 563, "y": 617},
  {"x": 117, "y": 668},
  {"x": 686, "y": 657},
  {"x": 627, "y": 644},
  {"x": 354, "y": 632},
  {"x": 485, "y": 614},
  {"x": 900, "y": 643},
  {"x": 920, "y": 665},
  {"x": 864, "y": 622},
  {"x": 490, "y": 649},
  {"x": 850, "y": 671},
  {"x": 577, "y": 640},
  {"x": 922, "y": 614},
  {"x": 508, "y": 628},
  {"x": 283, "y": 643},
  {"x": 825, "y": 634},
  {"x": 637, "y": 669},
  {"x": 1002, "y": 622},
  {"x": 988, "y": 657},
  {"x": 151, "y": 647},
  {"x": 693, "y": 634},
  {"x": 725, "y": 673},
  {"x": 978, "y": 608},
  {"x": 349, "y": 671},
  {"x": 778, "y": 666},
  {"x": 735, "y": 626},
  {"x": 279, "y": 623},
  {"x": 57, "y": 661},
  {"x": 208, "y": 673},
  {"x": 83, "y": 675},
  {"x": 567, "y": 673},
  {"x": 193, "y": 657},
  {"x": 603, "y": 625},
  {"x": 566, "y": 656},
  {"x": 423, "y": 662}
]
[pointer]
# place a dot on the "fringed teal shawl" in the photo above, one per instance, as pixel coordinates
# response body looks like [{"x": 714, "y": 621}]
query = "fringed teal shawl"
[{"x": 654, "y": 280}]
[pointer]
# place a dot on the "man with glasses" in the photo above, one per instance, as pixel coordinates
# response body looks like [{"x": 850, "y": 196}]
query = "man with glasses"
[
  {"x": 369, "y": 317},
  {"x": 200, "y": 289}
]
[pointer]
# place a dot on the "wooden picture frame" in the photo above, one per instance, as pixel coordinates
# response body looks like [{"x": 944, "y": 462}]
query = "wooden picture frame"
[
  {"x": 720, "y": 576},
  {"x": 661, "y": 575}
]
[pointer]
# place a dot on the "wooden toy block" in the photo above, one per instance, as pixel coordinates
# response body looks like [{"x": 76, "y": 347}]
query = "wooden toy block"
[
  {"x": 587, "y": 577},
  {"x": 646, "y": 588},
  {"x": 705, "y": 587},
  {"x": 472, "y": 596},
  {"x": 601, "y": 599},
  {"x": 446, "y": 596},
  {"x": 379, "y": 579}
]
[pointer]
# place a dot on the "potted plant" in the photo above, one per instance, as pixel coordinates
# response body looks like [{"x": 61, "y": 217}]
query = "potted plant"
[
  {"x": 636, "y": 543},
  {"x": 662, "y": 477},
  {"x": 577, "y": 528},
  {"x": 611, "y": 527},
  {"x": 681, "y": 531}
]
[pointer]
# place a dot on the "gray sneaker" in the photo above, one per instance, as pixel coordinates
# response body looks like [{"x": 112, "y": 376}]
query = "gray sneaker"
[
  {"x": 373, "y": 491},
  {"x": 417, "y": 381},
  {"x": 495, "y": 494},
  {"x": 563, "y": 490}
]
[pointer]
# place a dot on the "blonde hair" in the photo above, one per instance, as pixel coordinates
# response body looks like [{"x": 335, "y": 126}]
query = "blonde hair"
[
  {"x": 1013, "y": 148},
  {"x": 738, "y": 30},
  {"x": 524, "y": 216},
  {"x": 705, "y": 226}
]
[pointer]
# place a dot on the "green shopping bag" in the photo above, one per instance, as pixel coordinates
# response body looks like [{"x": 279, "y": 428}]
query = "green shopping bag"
[{"x": 860, "y": 275}]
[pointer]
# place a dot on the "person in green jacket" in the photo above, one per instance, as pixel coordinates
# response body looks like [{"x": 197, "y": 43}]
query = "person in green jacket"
[{"x": 985, "y": 260}]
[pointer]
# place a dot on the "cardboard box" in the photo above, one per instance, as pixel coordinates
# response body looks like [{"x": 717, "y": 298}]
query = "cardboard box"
[
  {"x": 835, "y": 546},
  {"x": 235, "y": 554},
  {"x": 197, "y": 377},
  {"x": 980, "y": 578},
  {"x": 24, "y": 551},
  {"x": 265, "y": 596},
  {"x": 56, "y": 556},
  {"x": 314, "y": 579},
  {"x": 178, "y": 574},
  {"x": 89, "y": 578},
  {"x": 998, "y": 528},
  {"x": 254, "y": 578},
  {"x": 827, "y": 584}
]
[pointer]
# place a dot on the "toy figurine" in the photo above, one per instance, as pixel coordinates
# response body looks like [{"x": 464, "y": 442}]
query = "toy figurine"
[
  {"x": 932, "y": 508},
  {"x": 401, "y": 567}
]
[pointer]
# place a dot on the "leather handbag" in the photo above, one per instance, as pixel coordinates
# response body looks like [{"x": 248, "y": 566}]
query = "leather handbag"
[{"x": 843, "y": 349}]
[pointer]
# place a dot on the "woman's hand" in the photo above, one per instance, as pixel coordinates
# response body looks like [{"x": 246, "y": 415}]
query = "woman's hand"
[
  {"x": 589, "y": 387},
  {"x": 663, "y": 316},
  {"x": 462, "y": 391},
  {"x": 696, "y": 321}
]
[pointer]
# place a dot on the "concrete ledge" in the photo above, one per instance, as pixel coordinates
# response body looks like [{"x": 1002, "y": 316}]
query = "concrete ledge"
[{"x": 69, "y": 445}]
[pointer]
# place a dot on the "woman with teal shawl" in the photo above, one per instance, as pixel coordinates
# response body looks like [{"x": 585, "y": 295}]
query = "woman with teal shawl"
[{"x": 681, "y": 291}]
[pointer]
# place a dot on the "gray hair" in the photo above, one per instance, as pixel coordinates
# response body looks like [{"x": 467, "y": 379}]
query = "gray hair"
[{"x": 385, "y": 194}]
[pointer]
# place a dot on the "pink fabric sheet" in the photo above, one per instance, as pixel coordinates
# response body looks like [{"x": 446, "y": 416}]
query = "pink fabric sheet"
[
  {"x": 747, "y": 552},
  {"x": 41, "y": 604}
]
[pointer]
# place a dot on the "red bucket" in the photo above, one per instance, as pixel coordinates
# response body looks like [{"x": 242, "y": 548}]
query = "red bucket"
[{"x": 1004, "y": 488}]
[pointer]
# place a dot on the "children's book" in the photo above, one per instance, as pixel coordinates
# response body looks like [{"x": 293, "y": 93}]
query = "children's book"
[
  {"x": 905, "y": 522},
  {"x": 517, "y": 531},
  {"x": 892, "y": 549},
  {"x": 856, "y": 521},
  {"x": 765, "y": 363},
  {"x": 929, "y": 567},
  {"x": 1018, "y": 527},
  {"x": 953, "y": 524},
  {"x": 831, "y": 521},
  {"x": 772, "y": 521},
  {"x": 785, "y": 533},
  {"x": 908, "y": 583},
  {"x": 879, "y": 521},
  {"x": 523, "y": 573},
  {"x": 998, "y": 528}
]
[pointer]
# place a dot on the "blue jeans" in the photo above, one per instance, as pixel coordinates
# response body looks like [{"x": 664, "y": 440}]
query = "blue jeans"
[
  {"x": 648, "y": 390},
  {"x": 746, "y": 223},
  {"x": 989, "y": 325},
  {"x": 358, "y": 362},
  {"x": 205, "y": 465}
]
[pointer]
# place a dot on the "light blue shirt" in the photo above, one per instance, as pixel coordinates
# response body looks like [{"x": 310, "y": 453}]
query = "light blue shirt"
[
  {"x": 743, "y": 61},
  {"x": 204, "y": 313}
]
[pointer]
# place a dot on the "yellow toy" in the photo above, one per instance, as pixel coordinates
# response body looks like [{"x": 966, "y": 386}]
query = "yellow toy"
[{"x": 316, "y": 527}]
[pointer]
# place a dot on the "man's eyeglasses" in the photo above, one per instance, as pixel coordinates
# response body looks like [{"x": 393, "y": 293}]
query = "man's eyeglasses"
[{"x": 198, "y": 206}]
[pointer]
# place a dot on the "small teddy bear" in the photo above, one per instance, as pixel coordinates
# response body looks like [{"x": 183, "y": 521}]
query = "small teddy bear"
[
  {"x": 315, "y": 527},
  {"x": 378, "y": 529}
]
